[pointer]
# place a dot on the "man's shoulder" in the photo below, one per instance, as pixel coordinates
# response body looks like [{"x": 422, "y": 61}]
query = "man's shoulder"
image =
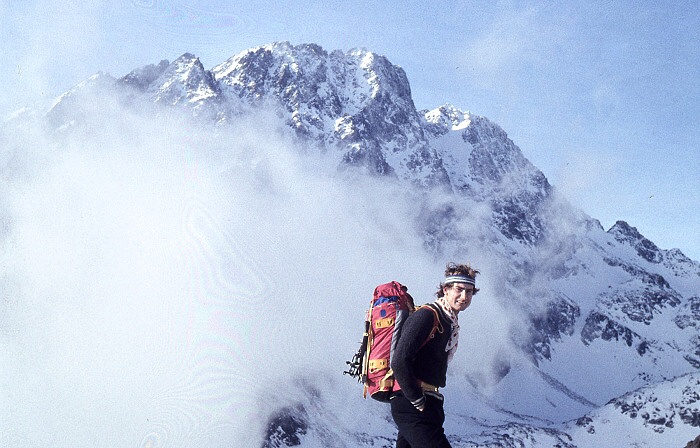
[
  {"x": 426, "y": 308},
  {"x": 430, "y": 309},
  {"x": 427, "y": 313}
]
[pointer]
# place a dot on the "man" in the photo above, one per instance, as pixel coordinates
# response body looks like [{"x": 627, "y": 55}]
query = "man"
[{"x": 420, "y": 361}]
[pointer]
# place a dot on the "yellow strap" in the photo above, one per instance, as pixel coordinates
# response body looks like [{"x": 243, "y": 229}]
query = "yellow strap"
[
  {"x": 386, "y": 384},
  {"x": 376, "y": 365},
  {"x": 365, "y": 360},
  {"x": 383, "y": 323}
]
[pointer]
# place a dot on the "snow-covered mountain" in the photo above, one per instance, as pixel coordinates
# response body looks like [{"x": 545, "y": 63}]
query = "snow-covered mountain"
[{"x": 604, "y": 323}]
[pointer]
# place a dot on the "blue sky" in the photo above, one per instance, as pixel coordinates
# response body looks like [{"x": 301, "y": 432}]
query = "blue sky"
[{"x": 603, "y": 96}]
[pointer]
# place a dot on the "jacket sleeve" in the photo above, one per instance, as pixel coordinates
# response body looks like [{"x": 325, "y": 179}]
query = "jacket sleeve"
[{"x": 414, "y": 333}]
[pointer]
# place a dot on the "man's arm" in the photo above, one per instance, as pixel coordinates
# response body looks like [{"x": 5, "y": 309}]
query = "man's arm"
[{"x": 414, "y": 333}]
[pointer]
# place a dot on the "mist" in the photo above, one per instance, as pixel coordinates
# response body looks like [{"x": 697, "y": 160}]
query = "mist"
[{"x": 166, "y": 283}]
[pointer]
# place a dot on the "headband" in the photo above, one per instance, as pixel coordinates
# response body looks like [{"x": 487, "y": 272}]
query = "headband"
[{"x": 459, "y": 279}]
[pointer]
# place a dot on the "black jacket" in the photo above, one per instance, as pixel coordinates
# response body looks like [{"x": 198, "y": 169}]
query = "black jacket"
[{"x": 411, "y": 362}]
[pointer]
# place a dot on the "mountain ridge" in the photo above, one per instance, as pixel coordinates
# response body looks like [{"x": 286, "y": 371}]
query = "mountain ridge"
[{"x": 597, "y": 291}]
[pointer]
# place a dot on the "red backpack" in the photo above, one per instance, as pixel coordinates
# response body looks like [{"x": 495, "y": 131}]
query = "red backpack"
[{"x": 390, "y": 306}]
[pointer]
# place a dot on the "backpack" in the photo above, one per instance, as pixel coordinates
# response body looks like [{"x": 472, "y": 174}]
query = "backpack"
[{"x": 391, "y": 304}]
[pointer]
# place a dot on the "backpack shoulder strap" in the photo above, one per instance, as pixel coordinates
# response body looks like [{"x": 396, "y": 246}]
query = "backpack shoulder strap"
[{"x": 437, "y": 325}]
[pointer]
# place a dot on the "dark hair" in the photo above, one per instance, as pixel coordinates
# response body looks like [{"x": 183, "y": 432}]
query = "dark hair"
[{"x": 457, "y": 269}]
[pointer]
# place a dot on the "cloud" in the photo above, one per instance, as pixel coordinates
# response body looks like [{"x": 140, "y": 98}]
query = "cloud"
[
  {"x": 174, "y": 284},
  {"x": 162, "y": 277}
]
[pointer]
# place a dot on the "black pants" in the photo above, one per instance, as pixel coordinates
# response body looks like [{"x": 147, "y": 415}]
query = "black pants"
[{"x": 419, "y": 429}]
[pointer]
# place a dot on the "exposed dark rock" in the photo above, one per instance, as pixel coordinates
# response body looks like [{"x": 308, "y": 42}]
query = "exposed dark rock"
[
  {"x": 689, "y": 313},
  {"x": 286, "y": 428},
  {"x": 641, "y": 305},
  {"x": 558, "y": 320},
  {"x": 661, "y": 412},
  {"x": 600, "y": 326},
  {"x": 694, "y": 443}
]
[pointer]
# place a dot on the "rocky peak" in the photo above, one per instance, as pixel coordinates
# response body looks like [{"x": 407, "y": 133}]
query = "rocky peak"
[
  {"x": 143, "y": 77},
  {"x": 681, "y": 266},
  {"x": 184, "y": 81},
  {"x": 307, "y": 78},
  {"x": 444, "y": 119},
  {"x": 357, "y": 102},
  {"x": 279, "y": 69},
  {"x": 497, "y": 159},
  {"x": 383, "y": 77},
  {"x": 487, "y": 166},
  {"x": 493, "y": 162},
  {"x": 626, "y": 234}
]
